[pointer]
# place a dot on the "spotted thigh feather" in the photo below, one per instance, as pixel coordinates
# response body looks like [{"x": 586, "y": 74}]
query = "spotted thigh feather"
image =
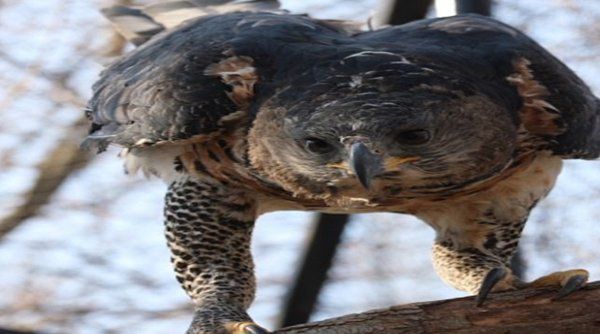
[
  {"x": 478, "y": 233},
  {"x": 208, "y": 229}
]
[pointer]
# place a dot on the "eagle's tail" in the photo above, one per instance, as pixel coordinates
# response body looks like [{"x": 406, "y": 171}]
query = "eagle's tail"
[{"x": 140, "y": 24}]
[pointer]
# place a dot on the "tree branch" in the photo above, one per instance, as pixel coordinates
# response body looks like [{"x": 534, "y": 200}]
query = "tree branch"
[
  {"x": 524, "y": 311},
  {"x": 312, "y": 273},
  {"x": 66, "y": 157},
  {"x": 63, "y": 160}
]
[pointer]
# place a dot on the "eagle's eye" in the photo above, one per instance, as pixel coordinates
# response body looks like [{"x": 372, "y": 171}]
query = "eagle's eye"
[
  {"x": 318, "y": 146},
  {"x": 413, "y": 137}
]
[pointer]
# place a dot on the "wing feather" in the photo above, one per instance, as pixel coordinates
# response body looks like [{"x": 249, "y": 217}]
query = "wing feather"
[
  {"x": 184, "y": 82},
  {"x": 551, "y": 101}
]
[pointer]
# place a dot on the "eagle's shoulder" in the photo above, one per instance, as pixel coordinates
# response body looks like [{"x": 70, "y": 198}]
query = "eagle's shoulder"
[
  {"x": 552, "y": 102},
  {"x": 187, "y": 82}
]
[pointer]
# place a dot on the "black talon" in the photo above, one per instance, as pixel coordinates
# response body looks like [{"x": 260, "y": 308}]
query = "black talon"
[
  {"x": 573, "y": 284},
  {"x": 491, "y": 279},
  {"x": 255, "y": 329}
]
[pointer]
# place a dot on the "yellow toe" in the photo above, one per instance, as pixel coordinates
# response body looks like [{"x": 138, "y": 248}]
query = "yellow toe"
[
  {"x": 559, "y": 278},
  {"x": 245, "y": 328}
]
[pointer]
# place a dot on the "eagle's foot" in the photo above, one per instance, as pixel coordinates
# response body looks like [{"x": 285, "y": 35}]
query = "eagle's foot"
[
  {"x": 223, "y": 320},
  {"x": 569, "y": 281},
  {"x": 492, "y": 278},
  {"x": 497, "y": 279},
  {"x": 500, "y": 279},
  {"x": 244, "y": 327}
]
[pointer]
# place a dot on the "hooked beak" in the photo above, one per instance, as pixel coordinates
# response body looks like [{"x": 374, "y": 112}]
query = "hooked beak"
[{"x": 364, "y": 163}]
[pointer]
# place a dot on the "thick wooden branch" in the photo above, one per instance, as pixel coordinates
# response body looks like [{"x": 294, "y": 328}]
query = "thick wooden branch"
[{"x": 525, "y": 311}]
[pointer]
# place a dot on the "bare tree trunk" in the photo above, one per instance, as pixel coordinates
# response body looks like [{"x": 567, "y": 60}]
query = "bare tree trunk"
[
  {"x": 397, "y": 12},
  {"x": 313, "y": 269},
  {"x": 517, "y": 312},
  {"x": 481, "y": 7}
]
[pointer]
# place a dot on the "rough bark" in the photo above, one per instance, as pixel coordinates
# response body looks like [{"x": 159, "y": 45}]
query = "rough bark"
[{"x": 525, "y": 311}]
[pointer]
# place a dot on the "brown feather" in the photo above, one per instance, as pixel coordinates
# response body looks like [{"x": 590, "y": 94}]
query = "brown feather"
[{"x": 538, "y": 116}]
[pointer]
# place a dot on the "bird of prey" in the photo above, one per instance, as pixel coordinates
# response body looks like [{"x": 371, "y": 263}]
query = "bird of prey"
[{"x": 244, "y": 109}]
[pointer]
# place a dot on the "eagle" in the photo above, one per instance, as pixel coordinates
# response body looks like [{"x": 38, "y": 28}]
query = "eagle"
[{"x": 243, "y": 108}]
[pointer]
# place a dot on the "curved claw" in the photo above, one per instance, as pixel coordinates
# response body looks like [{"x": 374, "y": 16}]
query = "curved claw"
[
  {"x": 573, "y": 284},
  {"x": 491, "y": 279},
  {"x": 255, "y": 329}
]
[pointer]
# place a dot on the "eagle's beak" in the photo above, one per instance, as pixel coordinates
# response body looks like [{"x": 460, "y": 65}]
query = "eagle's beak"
[{"x": 364, "y": 163}]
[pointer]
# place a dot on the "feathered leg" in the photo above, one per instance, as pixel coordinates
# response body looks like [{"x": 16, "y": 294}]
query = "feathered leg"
[
  {"x": 476, "y": 256},
  {"x": 478, "y": 234},
  {"x": 479, "y": 271},
  {"x": 208, "y": 229}
]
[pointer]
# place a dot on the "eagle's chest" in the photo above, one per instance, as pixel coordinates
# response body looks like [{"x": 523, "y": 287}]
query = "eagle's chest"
[
  {"x": 509, "y": 194},
  {"x": 520, "y": 186}
]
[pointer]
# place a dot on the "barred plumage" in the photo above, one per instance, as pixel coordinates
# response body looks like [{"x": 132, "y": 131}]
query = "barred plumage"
[{"x": 462, "y": 122}]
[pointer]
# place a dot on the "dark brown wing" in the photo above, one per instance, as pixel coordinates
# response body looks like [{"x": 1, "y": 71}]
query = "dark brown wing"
[
  {"x": 159, "y": 92},
  {"x": 552, "y": 102},
  {"x": 188, "y": 82}
]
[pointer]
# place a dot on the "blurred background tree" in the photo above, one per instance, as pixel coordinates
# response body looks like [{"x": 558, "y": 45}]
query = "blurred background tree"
[{"x": 81, "y": 244}]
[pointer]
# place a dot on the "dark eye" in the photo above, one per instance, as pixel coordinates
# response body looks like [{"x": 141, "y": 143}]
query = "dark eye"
[
  {"x": 413, "y": 137},
  {"x": 318, "y": 146}
]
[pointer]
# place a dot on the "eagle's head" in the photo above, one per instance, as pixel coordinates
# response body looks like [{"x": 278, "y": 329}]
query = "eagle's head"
[{"x": 378, "y": 137}]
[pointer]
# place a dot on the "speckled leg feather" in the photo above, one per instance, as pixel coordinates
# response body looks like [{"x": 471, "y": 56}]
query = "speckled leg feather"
[
  {"x": 483, "y": 265},
  {"x": 474, "y": 253},
  {"x": 466, "y": 268},
  {"x": 478, "y": 235},
  {"x": 208, "y": 230}
]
